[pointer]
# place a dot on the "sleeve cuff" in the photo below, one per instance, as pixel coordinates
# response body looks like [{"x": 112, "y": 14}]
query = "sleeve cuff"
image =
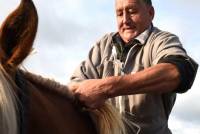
[{"x": 187, "y": 68}]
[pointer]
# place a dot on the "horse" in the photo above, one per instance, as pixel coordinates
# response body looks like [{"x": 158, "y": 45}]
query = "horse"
[{"x": 32, "y": 104}]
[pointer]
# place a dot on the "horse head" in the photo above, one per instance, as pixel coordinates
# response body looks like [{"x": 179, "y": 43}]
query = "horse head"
[{"x": 17, "y": 35}]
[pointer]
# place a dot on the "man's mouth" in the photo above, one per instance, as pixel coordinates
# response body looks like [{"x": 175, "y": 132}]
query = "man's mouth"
[{"x": 128, "y": 28}]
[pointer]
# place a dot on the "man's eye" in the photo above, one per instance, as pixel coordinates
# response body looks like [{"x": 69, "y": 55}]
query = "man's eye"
[
  {"x": 119, "y": 13},
  {"x": 132, "y": 11}
]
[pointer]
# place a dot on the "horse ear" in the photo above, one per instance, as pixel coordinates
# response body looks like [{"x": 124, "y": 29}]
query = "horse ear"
[{"x": 17, "y": 34}]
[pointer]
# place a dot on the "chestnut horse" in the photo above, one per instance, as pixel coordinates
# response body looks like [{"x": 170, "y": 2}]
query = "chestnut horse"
[{"x": 35, "y": 105}]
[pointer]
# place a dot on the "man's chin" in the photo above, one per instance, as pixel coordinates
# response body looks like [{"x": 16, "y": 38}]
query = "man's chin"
[{"x": 129, "y": 37}]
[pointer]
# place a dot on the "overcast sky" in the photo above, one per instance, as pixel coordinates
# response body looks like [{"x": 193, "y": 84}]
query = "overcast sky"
[{"x": 68, "y": 28}]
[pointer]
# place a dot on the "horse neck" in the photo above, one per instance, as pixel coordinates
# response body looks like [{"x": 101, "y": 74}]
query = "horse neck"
[
  {"x": 54, "y": 102},
  {"x": 53, "y": 96},
  {"x": 48, "y": 85}
]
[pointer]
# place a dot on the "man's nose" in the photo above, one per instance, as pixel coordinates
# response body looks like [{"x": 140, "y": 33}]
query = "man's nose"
[{"x": 126, "y": 17}]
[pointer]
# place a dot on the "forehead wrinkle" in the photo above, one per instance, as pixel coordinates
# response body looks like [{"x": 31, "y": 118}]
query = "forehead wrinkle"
[{"x": 126, "y": 3}]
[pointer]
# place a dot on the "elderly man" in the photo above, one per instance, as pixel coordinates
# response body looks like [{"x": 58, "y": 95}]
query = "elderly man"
[{"x": 139, "y": 68}]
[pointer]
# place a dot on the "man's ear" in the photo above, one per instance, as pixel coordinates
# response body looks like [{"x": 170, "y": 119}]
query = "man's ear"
[
  {"x": 17, "y": 34},
  {"x": 151, "y": 12}
]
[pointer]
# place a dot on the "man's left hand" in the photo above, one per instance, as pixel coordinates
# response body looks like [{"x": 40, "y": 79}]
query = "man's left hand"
[{"x": 91, "y": 93}]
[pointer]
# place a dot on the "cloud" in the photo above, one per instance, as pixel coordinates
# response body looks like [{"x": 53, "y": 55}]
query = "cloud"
[
  {"x": 67, "y": 23},
  {"x": 187, "y": 105},
  {"x": 194, "y": 4},
  {"x": 191, "y": 3},
  {"x": 57, "y": 62},
  {"x": 179, "y": 126}
]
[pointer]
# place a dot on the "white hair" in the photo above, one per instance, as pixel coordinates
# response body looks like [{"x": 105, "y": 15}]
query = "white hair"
[{"x": 8, "y": 106}]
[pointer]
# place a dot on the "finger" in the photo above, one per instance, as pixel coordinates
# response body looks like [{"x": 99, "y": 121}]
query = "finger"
[
  {"x": 80, "y": 103},
  {"x": 73, "y": 87}
]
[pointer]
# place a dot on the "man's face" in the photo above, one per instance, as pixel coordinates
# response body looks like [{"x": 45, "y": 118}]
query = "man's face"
[{"x": 133, "y": 17}]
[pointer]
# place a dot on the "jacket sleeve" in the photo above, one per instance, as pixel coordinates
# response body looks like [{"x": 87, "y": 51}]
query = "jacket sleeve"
[
  {"x": 187, "y": 68},
  {"x": 169, "y": 50},
  {"x": 90, "y": 68}
]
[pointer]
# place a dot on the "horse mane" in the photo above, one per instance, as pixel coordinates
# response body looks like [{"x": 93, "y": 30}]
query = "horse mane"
[
  {"x": 8, "y": 106},
  {"x": 107, "y": 119},
  {"x": 49, "y": 85}
]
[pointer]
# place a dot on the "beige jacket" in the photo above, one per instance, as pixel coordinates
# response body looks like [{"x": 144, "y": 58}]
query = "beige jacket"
[{"x": 149, "y": 111}]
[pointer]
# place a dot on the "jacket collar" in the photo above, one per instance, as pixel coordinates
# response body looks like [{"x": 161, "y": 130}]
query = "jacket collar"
[{"x": 141, "y": 38}]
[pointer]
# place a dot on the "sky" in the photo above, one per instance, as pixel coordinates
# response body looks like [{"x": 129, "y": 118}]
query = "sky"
[{"x": 68, "y": 29}]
